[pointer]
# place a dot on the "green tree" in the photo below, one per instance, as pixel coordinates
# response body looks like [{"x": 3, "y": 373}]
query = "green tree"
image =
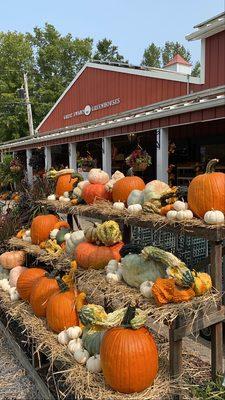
[
  {"x": 196, "y": 71},
  {"x": 151, "y": 56},
  {"x": 16, "y": 57},
  {"x": 170, "y": 49},
  {"x": 106, "y": 51}
]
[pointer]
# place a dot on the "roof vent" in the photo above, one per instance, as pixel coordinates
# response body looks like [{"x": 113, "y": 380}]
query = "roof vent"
[{"x": 179, "y": 64}]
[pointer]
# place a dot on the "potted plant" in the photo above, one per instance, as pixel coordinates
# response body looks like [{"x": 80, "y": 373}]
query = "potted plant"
[
  {"x": 139, "y": 160},
  {"x": 86, "y": 163}
]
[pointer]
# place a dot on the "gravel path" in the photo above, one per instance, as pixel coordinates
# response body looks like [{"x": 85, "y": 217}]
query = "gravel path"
[{"x": 14, "y": 382}]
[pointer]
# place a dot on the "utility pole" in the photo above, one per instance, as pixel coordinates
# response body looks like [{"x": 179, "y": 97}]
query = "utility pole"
[{"x": 28, "y": 105}]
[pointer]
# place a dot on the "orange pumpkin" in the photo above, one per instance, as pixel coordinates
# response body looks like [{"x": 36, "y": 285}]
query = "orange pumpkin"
[
  {"x": 26, "y": 280},
  {"x": 94, "y": 191},
  {"x": 207, "y": 191},
  {"x": 41, "y": 227},
  {"x": 164, "y": 210},
  {"x": 11, "y": 259},
  {"x": 61, "y": 312},
  {"x": 129, "y": 359},
  {"x": 123, "y": 187},
  {"x": 64, "y": 184},
  {"x": 89, "y": 255},
  {"x": 41, "y": 291}
]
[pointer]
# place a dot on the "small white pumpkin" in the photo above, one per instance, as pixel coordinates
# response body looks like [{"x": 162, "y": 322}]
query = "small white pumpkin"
[
  {"x": 81, "y": 185},
  {"x": 96, "y": 175},
  {"x": 64, "y": 199},
  {"x": 77, "y": 192},
  {"x": 181, "y": 215},
  {"x": 134, "y": 208},
  {"x": 189, "y": 214},
  {"x": 214, "y": 217},
  {"x": 63, "y": 337},
  {"x": 77, "y": 237},
  {"x": 66, "y": 195},
  {"x": 146, "y": 289},
  {"x": 118, "y": 205},
  {"x": 53, "y": 233},
  {"x": 5, "y": 285},
  {"x": 74, "y": 345},
  {"x": 113, "y": 278},
  {"x": 112, "y": 266},
  {"x": 27, "y": 238},
  {"x": 172, "y": 214},
  {"x": 14, "y": 295},
  {"x": 51, "y": 197},
  {"x": 67, "y": 236},
  {"x": 180, "y": 205},
  {"x": 27, "y": 233},
  {"x": 81, "y": 356},
  {"x": 94, "y": 364},
  {"x": 74, "y": 332}
]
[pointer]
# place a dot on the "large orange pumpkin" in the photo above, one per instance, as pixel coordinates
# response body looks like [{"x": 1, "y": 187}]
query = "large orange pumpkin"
[
  {"x": 26, "y": 280},
  {"x": 95, "y": 191},
  {"x": 41, "y": 291},
  {"x": 129, "y": 359},
  {"x": 207, "y": 191},
  {"x": 41, "y": 227},
  {"x": 123, "y": 187},
  {"x": 64, "y": 184},
  {"x": 60, "y": 311},
  {"x": 89, "y": 255}
]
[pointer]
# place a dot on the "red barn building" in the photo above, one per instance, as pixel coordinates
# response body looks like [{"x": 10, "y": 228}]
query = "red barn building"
[{"x": 109, "y": 109}]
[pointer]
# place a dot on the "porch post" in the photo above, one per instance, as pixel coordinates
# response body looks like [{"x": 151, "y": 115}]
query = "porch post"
[
  {"x": 48, "y": 158},
  {"x": 106, "y": 155},
  {"x": 72, "y": 148},
  {"x": 162, "y": 154},
  {"x": 29, "y": 168}
]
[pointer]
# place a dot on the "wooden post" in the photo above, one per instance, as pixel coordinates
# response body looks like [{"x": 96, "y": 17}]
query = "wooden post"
[
  {"x": 48, "y": 158},
  {"x": 106, "y": 155},
  {"x": 217, "y": 329},
  {"x": 175, "y": 354},
  {"x": 29, "y": 168},
  {"x": 162, "y": 154},
  {"x": 126, "y": 233},
  {"x": 72, "y": 147}
]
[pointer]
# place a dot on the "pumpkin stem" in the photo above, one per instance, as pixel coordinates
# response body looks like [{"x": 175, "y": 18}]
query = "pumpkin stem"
[
  {"x": 62, "y": 285},
  {"x": 210, "y": 167},
  {"x": 129, "y": 315}
]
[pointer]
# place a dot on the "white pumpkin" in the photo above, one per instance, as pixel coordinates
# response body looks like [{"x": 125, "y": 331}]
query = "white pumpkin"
[
  {"x": 154, "y": 190},
  {"x": 63, "y": 337},
  {"x": 77, "y": 192},
  {"x": 146, "y": 289},
  {"x": 5, "y": 285},
  {"x": 118, "y": 205},
  {"x": 134, "y": 208},
  {"x": 96, "y": 175},
  {"x": 27, "y": 238},
  {"x": 112, "y": 266},
  {"x": 81, "y": 356},
  {"x": 66, "y": 195},
  {"x": 51, "y": 197},
  {"x": 64, "y": 199},
  {"x": 67, "y": 236},
  {"x": 14, "y": 295},
  {"x": 189, "y": 214},
  {"x": 73, "y": 240},
  {"x": 135, "y": 197},
  {"x": 74, "y": 345},
  {"x": 74, "y": 332},
  {"x": 172, "y": 214},
  {"x": 185, "y": 214},
  {"x": 115, "y": 177},
  {"x": 27, "y": 233},
  {"x": 113, "y": 278},
  {"x": 94, "y": 364},
  {"x": 180, "y": 205},
  {"x": 214, "y": 217},
  {"x": 53, "y": 233}
]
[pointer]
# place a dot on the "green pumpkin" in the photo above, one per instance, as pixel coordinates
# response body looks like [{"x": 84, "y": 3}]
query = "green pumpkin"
[
  {"x": 92, "y": 338},
  {"x": 61, "y": 235},
  {"x": 135, "y": 197}
]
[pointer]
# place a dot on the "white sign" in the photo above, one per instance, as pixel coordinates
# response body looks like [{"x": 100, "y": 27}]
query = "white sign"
[{"x": 87, "y": 110}]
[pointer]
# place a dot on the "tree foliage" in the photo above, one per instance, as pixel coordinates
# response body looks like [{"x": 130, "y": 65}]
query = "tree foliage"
[
  {"x": 106, "y": 51},
  {"x": 196, "y": 71},
  {"x": 170, "y": 49},
  {"x": 151, "y": 57}
]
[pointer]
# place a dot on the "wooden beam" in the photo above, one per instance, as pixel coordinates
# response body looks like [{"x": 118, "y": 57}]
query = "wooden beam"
[
  {"x": 175, "y": 351},
  {"x": 22, "y": 358}
]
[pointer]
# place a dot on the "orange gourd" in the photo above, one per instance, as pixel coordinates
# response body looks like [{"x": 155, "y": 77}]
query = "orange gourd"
[
  {"x": 41, "y": 291},
  {"x": 165, "y": 291},
  {"x": 11, "y": 259},
  {"x": 129, "y": 359},
  {"x": 164, "y": 210},
  {"x": 123, "y": 187},
  {"x": 61, "y": 311},
  {"x": 61, "y": 224},
  {"x": 207, "y": 191},
  {"x": 26, "y": 280},
  {"x": 89, "y": 255},
  {"x": 94, "y": 191},
  {"x": 41, "y": 227},
  {"x": 65, "y": 183}
]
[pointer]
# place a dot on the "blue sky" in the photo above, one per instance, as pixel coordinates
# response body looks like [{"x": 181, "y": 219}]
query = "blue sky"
[{"x": 131, "y": 24}]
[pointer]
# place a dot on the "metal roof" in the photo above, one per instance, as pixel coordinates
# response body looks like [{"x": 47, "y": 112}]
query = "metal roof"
[{"x": 208, "y": 28}]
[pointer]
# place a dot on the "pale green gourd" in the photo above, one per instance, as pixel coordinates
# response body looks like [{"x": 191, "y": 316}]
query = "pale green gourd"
[{"x": 135, "y": 197}]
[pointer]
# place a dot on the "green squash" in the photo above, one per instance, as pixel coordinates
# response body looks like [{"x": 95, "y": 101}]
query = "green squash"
[
  {"x": 135, "y": 197},
  {"x": 61, "y": 235},
  {"x": 92, "y": 314},
  {"x": 92, "y": 338},
  {"x": 136, "y": 270}
]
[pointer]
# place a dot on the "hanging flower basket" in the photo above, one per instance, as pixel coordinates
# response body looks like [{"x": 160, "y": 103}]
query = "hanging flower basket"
[
  {"x": 139, "y": 160},
  {"x": 140, "y": 167}
]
